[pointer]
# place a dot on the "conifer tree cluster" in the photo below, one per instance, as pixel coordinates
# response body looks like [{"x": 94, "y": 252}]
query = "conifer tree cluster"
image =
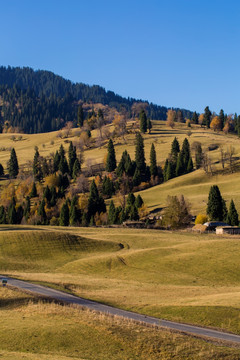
[
  {"x": 180, "y": 160},
  {"x": 217, "y": 210}
]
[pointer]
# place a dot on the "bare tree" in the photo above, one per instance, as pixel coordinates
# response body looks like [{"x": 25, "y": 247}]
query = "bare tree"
[
  {"x": 230, "y": 158},
  {"x": 223, "y": 156}
]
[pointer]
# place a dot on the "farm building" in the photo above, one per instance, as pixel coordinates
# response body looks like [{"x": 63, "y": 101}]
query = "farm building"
[{"x": 233, "y": 230}]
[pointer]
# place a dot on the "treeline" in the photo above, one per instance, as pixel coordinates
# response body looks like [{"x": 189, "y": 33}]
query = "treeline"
[
  {"x": 44, "y": 86},
  {"x": 208, "y": 119},
  {"x": 23, "y": 110}
]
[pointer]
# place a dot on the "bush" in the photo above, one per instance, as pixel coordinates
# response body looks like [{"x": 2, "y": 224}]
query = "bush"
[
  {"x": 201, "y": 219},
  {"x": 54, "y": 221}
]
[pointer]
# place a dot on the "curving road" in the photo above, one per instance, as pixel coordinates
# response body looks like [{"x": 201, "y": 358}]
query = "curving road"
[{"x": 71, "y": 299}]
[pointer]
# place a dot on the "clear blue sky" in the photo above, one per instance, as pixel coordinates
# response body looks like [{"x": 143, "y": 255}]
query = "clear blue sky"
[{"x": 181, "y": 53}]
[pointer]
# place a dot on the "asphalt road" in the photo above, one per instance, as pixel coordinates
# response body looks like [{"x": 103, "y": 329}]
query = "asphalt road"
[{"x": 67, "y": 298}]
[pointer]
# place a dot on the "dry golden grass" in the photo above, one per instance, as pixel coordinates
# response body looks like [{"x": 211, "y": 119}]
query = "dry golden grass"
[
  {"x": 176, "y": 275},
  {"x": 32, "y": 329}
]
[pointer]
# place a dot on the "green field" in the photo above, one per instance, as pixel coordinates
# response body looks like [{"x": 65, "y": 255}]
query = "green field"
[{"x": 174, "y": 275}]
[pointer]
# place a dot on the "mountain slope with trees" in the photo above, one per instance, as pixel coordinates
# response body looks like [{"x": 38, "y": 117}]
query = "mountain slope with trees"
[{"x": 40, "y": 101}]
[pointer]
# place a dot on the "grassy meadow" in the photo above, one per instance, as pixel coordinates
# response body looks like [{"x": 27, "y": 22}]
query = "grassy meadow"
[
  {"x": 32, "y": 329},
  {"x": 180, "y": 276}
]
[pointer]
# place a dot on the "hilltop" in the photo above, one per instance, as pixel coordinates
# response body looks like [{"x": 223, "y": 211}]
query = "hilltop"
[{"x": 40, "y": 101}]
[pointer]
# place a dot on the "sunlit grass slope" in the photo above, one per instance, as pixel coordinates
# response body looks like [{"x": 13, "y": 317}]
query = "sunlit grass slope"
[
  {"x": 31, "y": 329},
  {"x": 44, "y": 250},
  {"x": 175, "y": 275}
]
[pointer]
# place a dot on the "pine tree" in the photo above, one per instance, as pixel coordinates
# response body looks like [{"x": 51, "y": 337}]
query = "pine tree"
[
  {"x": 80, "y": 116},
  {"x": 171, "y": 170},
  {"x": 137, "y": 177},
  {"x": 111, "y": 213},
  {"x": 180, "y": 165},
  {"x": 207, "y": 117},
  {"x": 84, "y": 219},
  {"x": 143, "y": 121},
  {"x": 47, "y": 194},
  {"x": 153, "y": 161},
  {"x": 175, "y": 148},
  {"x": 42, "y": 212},
  {"x": 190, "y": 165},
  {"x": 33, "y": 192},
  {"x": 73, "y": 214},
  {"x": 133, "y": 215},
  {"x": 215, "y": 204},
  {"x": 195, "y": 118},
  {"x": 198, "y": 156},
  {"x": 139, "y": 155},
  {"x": 107, "y": 187},
  {"x": 95, "y": 202},
  {"x": 131, "y": 199},
  {"x": 232, "y": 217},
  {"x": 3, "y": 218},
  {"x": 165, "y": 170},
  {"x": 185, "y": 154},
  {"x": 64, "y": 215},
  {"x": 56, "y": 161},
  {"x": 27, "y": 208},
  {"x": 63, "y": 166},
  {"x": 76, "y": 169},
  {"x": 37, "y": 168},
  {"x": 12, "y": 214},
  {"x": 221, "y": 118},
  {"x": 13, "y": 165},
  {"x": 111, "y": 158},
  {"x": 149, "y": 126},
  {"x": 138, "y": 201},
  {"x": 72, "y": 156}
]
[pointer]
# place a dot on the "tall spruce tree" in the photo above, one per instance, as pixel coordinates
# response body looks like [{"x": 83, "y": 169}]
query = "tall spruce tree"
[
  {"x": 12, "y": 213},
  {"x": 95, "y": 202},
  {"x": 80, "y": 116},
  {"x": 215, "y": 205},
  {"x": 195, "y": 118},
  {"x": 73, "y": 214},
  {"x": 37, "y": 168},
  {"x": 3, "y": 218},
  {"x": 198, "y": 156},
  {"x": 139, "y": 154},
  {"x": 111, "y": 157},
  {"x": 72, "y": 156},
  {"x": 221, "y": 118},
  {"x": 76, "y": 169},
  {"x": 180, "y": 168},
  {"x": 175, "y": 148},
  {"x": 153, "y": 161},
  {"x": 111, "y": 213},
  {"x": 185, "y": 153},
  {"x": 207, "y": 117},
  {"x": 13, "y": 165},
  {"x": 42, "y": 213},
  {"x": 64, "y": 215},
  {"x": 143, "y": 121},
  {"x": 232, "y": 216},
  {"x": 33, "y": 192}
]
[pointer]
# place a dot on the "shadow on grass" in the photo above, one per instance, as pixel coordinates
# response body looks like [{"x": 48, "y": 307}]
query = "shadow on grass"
[{"x": 14, "y": 303}]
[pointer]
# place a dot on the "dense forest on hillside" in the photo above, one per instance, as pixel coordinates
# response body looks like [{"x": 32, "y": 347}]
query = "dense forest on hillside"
[{"x": 39, "y": 101}]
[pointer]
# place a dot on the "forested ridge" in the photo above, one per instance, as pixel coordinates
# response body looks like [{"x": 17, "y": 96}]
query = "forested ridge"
[{"x": 40, "y": 101}]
